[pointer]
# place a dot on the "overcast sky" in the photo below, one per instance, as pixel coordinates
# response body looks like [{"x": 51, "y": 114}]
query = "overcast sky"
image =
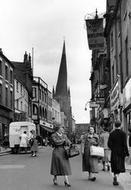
[{"x": 42, "y": 25}]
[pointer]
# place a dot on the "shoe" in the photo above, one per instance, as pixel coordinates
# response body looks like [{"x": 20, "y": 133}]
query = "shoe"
[
  {"x": 92, "y": 179},
  {"x": 67, "y": 184},
  {"x": 55, "y": 182},
  {"x": 115, "y": 182}
]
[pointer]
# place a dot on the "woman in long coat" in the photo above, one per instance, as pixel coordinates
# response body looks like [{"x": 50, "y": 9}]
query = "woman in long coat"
[
  {"x": 118, "y": 144},
  {"x": 90, "y": 163},
  {"x": 60, "y": 165},
  {"x": 34, "y": 144}
]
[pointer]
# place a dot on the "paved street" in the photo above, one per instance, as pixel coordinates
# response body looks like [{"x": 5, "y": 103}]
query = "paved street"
[{"x": 22, "y": 172}]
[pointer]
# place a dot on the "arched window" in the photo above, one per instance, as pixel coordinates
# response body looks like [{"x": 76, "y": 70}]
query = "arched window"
[{"x": 35, "y": 109}]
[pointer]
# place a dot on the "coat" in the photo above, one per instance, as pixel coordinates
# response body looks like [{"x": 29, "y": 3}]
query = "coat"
[
  {"x": 117, "y": 142},
  {"x": 90, "y": 163},
  {"x": 60, "y": 164},
  {"x": 23, "y": 140},
  {"x": 34, "y": 145}
]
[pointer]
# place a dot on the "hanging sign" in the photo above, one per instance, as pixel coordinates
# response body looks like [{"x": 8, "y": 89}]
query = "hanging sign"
[{"x": 95, "y": 33}]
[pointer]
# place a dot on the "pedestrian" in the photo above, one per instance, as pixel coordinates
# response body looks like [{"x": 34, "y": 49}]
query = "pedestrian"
[
  {"x": 24, "y": 141},
  {"x": 103, "y": 142},
  {"x": 90, "y": 163},
  {"x": 117, "y": 142},
  {"x": 60, "y": 165},
  {"x": 34, "y": 143}
]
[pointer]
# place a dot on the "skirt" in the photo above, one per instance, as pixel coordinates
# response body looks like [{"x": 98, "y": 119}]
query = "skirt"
[{"x": 60, "y": 165}]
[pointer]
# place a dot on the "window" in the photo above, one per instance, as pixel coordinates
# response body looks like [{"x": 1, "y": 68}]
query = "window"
[
  {"x": 34, "y": 92},
  {"x": 126, "y": 56},
  {"x": 11, "y": 99},
  {"x": 17, "y": 86},
  {"x": 11, "y": 76},
  {"x": 17, "y": 104},
  {"x": 21, "y": 106},
  {"x": 0, "y": 67},
  {"x": 6, "y": 72},
  {"x": 6, "y": 96},
  {"x": 40, "y": 94},
  {"x": 21, "y": 88},
  {"x": 35, "y": 109},
  {"x": 0, "y": 93}
]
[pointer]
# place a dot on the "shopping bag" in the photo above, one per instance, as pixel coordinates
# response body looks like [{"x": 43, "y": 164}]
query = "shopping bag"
[
  {"x": 71, "y": 151},
  {"x": 96, "y": 151}
]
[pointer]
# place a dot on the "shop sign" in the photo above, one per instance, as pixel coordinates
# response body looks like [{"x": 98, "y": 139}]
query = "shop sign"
[
  {"x": 114, "y": 97},
  {"x": 44, "y": 123},
  {"x": 127, "y": 94},
  {"x": 95, "y": 33}
]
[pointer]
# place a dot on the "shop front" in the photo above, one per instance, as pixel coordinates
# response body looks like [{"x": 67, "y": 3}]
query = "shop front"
[
  {"x": 46, "y": 129},
  {"x": 115, "y": 104},
  {"x": 6, "y": 116}
]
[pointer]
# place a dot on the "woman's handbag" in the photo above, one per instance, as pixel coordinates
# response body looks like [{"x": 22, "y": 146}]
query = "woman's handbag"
[
  {"x": 71, "y": 151},
  {"x": 96, "y": 151},
  {"x": 31, "y": 141}
]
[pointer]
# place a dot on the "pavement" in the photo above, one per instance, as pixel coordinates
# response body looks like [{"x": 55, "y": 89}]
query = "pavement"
[{"x": 123, "y": 178}]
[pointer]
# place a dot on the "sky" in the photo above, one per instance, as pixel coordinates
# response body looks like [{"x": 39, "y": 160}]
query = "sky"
[{"x": 43, "y": 25}]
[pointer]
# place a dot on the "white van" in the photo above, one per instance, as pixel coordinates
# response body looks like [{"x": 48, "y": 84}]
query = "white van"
[{"x": 15, "y": 130}]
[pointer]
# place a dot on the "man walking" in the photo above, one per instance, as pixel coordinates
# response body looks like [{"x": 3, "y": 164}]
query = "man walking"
[{"x": 117, "y": 142}]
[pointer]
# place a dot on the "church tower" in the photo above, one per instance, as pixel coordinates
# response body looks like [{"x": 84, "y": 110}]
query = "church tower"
[{"x": 62, "y": 92}]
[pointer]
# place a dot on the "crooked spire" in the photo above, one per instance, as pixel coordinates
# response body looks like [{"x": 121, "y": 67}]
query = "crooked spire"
[{"x": 61, "y": 87}]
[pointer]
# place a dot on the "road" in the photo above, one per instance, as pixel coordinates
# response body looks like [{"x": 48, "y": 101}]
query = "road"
[{"x": 23, "y": 172}]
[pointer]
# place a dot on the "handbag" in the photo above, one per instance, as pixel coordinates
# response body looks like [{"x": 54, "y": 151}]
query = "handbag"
[
  {"x": 96, "y": 151},
  {"x": 71, "y": 151},
  {"x": 31, "y": 141}
]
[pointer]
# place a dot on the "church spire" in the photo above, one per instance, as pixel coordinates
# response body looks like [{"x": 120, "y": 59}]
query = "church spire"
[{"x": 61, "y": 87}]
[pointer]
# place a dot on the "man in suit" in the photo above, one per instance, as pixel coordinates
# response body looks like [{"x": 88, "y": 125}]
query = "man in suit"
[{"x": 117, "y": 142}]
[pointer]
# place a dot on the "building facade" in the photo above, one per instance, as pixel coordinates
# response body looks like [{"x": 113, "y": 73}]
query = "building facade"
[
  {"x": 100, "y": 74},
  {"x": 6, "y": 95},
  {"x": 56, "y": 113},
  {"x": 117, "y": 30},
  {"x": 23, "y": 77},
  {"x": 40, "y": 107}
]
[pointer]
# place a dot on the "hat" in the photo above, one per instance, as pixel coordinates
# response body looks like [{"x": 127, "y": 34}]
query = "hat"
[{"x": 117, "y": 124}]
